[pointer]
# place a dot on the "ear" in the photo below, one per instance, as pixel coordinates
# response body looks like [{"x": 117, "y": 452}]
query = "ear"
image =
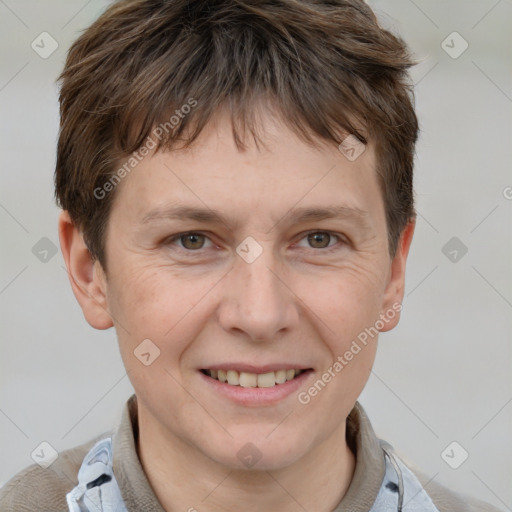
[
  {"x": 394, "y": 293},
  {"x": 86, "y": 275}
]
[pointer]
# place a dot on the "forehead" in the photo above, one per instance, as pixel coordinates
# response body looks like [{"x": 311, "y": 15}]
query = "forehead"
[{"x": 213, "y": 179}]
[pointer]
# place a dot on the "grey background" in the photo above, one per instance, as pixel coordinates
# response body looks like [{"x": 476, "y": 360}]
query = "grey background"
[{"x": 443, "y": 375}]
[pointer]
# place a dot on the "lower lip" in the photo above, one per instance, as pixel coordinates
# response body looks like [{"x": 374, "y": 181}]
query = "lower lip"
[{"x": 257, "y": 396}]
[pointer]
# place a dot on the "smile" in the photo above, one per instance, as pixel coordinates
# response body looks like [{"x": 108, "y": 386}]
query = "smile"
[{"x": 253, "y": 380}]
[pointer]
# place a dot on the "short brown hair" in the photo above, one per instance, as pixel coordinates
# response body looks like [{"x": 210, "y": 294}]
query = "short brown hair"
[{"x": 326, "y": 66}]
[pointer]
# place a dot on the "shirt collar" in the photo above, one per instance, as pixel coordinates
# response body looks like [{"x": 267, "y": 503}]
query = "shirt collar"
[{"x": 370, "y": 463}]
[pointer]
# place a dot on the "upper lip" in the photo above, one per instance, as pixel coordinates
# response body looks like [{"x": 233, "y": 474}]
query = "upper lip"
[{"x": 249, "y": 368}]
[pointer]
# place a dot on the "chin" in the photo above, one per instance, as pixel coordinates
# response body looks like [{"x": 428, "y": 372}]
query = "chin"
[{"x": 256, "y": 452}]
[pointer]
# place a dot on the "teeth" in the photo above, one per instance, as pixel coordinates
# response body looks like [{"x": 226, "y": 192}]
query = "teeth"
[
  {"x": 248, "y": 380},
  {"x": 280, "y": 376},
  {"x": 267, "y": 380},
  {"x": 233, "y": 377},
  {"x": 253, "y": 380}
]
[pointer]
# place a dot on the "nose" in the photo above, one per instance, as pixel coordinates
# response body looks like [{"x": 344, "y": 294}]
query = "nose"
[{"x": 257, "y": 301}]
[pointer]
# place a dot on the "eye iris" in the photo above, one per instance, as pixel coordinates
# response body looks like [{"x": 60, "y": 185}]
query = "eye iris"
[
  {"x": 317, "y": 237},
  {"x": 193, "y": 239}
]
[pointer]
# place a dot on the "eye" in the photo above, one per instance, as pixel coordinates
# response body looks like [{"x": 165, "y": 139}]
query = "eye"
[
  {"x": 191, "y": 241},
  {"x": 321, "y": 239},
  {"x": 194, "y": 241}
]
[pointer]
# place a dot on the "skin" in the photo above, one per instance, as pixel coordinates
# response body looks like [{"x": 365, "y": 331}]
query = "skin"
[{"x": 201, "y": 304}]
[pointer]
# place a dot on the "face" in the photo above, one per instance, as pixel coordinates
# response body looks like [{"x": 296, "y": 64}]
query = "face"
[{"x": 224, "y": 261}]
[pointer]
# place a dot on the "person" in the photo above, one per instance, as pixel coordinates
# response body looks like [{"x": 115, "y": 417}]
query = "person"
[{"x": 205, "y": 149}]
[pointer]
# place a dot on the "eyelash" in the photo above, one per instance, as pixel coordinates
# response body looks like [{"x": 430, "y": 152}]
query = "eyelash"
[{"x": 327, "y": 249}]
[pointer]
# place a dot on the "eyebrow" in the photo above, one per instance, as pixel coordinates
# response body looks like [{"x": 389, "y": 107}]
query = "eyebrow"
[{"x": 304, "y": 214}]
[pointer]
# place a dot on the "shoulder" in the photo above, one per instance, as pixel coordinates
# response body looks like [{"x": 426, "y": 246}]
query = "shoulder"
[
  {"x": 447, "y": 500},
  {"x": 44, "y": 489}
]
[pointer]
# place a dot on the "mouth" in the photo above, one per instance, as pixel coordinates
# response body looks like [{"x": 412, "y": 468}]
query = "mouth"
[{"x": 244, "y": 379}]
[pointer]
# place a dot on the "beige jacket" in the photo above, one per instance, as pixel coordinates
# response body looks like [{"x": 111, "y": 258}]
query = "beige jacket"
[{"x": 44, "y": 490}]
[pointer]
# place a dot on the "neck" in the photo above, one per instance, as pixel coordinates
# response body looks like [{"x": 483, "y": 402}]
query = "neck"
[{"x": 185, "y": 479}]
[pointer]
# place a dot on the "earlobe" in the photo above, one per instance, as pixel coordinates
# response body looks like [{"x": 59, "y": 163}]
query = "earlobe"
[
  {"x": 394, "y": 293},
  {"x": 85, "y": 274}
]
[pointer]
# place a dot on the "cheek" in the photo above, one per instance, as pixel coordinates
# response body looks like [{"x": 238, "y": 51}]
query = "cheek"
[
  {"x": 157, "y": 303},
  {"x": 153, "y": 304},
  {"x": 345, "y": 310},
  {"x": 346, "y": 300}
]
